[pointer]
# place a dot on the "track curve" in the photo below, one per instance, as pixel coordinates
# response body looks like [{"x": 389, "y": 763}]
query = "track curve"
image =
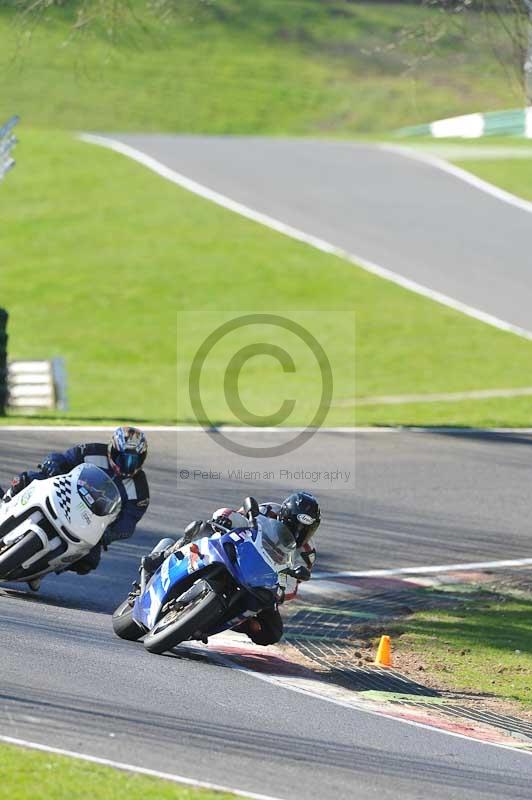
[
  {"x": 403, "y": 214},
  {"x": 68, "y": 682}
]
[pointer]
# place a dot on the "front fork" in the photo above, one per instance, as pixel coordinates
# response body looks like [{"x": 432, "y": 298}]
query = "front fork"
[{"x": 142, "y": 580}]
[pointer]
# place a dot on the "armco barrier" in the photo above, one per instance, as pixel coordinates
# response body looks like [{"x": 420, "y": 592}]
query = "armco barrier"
[
  {"x": 30, "y": 385},
  {"x": 516, "y": 122},
  {"x": 3, "y": 361}
]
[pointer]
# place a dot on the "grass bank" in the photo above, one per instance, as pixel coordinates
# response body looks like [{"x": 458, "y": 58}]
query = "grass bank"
[
  {"x": 512, "y": 174},
  {"x": 482, "y": 646},
  {"x": 99, "y": 257},
  {"x": 504, "y": 161},
  {"x": 43, "y": 776},
  {"x": 302, "y": 67}
]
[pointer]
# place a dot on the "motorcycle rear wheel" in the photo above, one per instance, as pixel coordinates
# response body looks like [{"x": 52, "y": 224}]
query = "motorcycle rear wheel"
[
  {"x": 124, "y": 625},
  {"x": 12, "y": 558},
  {"x": 178, "y": 626}
]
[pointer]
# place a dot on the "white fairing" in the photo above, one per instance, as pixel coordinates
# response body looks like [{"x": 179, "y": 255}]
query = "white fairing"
[{"x": 59, "y": 516}]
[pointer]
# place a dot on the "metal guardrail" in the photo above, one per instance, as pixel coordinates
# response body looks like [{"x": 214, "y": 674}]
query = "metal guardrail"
[
  {"x": 3, "y": 360},
  {"x": 7, "y": 142},
  {"x": 515, "y": 122},
  {"x": 33, "y": 385}
]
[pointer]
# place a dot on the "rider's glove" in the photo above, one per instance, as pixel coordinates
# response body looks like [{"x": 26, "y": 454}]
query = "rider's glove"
[
  {"x": 50, "y": 468},
  {"x": 300, "y": 573}
]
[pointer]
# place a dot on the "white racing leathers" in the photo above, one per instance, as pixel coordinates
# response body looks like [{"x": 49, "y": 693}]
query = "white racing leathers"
[
  {"x": 305, "y": 556},
  {"x": 54, "y": 522}
]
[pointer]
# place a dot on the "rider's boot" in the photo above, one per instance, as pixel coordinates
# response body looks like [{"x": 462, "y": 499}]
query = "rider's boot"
[
  {"x": 191, "y": 532},
  {"x": 150, "y": 563},
  {"x": 134, "y": 592},
  {"x": 5, "y": 497},
  {"x": 153, "y": 560}
]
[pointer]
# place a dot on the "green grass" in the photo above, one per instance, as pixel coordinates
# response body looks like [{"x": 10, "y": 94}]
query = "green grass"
[
  {"x": 511, "y": 412},
  {"x": 300, "y": 67},
  {"x": 42, "y": 776},
  {"x": 483, "y": 645},
  {"x": 505, "y": 161},
  {"x": 512, "y": 174},
  {"x": 100, "y": 255}
]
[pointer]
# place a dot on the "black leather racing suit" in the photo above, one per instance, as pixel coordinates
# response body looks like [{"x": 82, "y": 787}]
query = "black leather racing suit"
[{"x": 267, "y": 626}]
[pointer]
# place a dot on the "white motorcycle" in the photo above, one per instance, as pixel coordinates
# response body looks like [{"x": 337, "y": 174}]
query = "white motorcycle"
[{"x": 54, "y": 522}]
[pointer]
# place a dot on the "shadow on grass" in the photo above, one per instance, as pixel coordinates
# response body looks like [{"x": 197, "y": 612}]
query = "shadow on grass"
[{"x": 495, "y": 621}]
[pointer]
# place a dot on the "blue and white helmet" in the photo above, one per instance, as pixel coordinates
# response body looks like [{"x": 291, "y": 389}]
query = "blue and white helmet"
[{"x": 127, "y": 451}]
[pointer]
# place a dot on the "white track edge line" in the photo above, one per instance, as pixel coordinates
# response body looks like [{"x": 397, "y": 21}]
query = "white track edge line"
[
  {"x": 429, "y": 570},
  {"x": 152, "y": 773},
  {"x": 461, "y": 174},
  {"x": 435, "y": 397},
  {"x": 294, "y": 233},
  {"x": 335, "y": 701}
]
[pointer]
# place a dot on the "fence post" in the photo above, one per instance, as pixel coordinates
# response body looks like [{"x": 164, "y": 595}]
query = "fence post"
[
  {"x": 3, "y": 361},
  {"x": 8, "y": 140},
  {"x": 7, "y": 143}
]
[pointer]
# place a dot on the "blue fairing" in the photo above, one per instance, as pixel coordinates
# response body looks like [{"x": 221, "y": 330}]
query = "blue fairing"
[
  {"x": 249, "y": 570},
  {"x": 170, "y": 573}
]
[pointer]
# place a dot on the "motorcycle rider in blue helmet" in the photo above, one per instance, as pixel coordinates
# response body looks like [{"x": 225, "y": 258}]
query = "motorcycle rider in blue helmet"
[{"x": 122, "y": 459}]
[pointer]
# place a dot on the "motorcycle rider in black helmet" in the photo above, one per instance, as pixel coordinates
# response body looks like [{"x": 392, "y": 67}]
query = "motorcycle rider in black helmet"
[
  {"x": 301, "y": 514},
  {"x": 122, "y": 459}
]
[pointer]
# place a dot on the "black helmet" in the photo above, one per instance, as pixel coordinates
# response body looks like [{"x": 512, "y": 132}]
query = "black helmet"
[
  {"x": 300, "y": 513},
  {"x": 127, "y": 451}
]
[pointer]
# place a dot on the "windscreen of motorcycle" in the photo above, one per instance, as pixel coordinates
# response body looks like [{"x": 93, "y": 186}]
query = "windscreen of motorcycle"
[
  {"x": 277, "y": 539},
  {"x": 98, "y": 491}
]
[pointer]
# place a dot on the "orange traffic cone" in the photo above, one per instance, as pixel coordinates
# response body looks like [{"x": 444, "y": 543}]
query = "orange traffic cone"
[{"x": 384, "y": 653}]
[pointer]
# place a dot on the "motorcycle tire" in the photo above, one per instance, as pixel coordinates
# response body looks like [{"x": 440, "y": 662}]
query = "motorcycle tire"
[
  {"x": 12, "y": 558},
  {"x": 178, "y": 626},
  {"x": 124, "y": 625}
]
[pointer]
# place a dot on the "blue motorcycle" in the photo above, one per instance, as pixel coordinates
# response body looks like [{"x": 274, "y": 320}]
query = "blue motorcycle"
[{"x": 210, "y": 585}]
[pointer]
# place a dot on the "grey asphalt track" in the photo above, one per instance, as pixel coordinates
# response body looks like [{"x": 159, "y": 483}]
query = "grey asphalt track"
[
  {"x": 68, "y": 682},
  {"x": 402, "y": 214}
]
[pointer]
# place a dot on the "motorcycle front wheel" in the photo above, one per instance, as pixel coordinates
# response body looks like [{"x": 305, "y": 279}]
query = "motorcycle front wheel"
[
  {"x": 123, "y": 623},
  {"x": 12, "y": 558},
  {"x": 201, "y": 614}
]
